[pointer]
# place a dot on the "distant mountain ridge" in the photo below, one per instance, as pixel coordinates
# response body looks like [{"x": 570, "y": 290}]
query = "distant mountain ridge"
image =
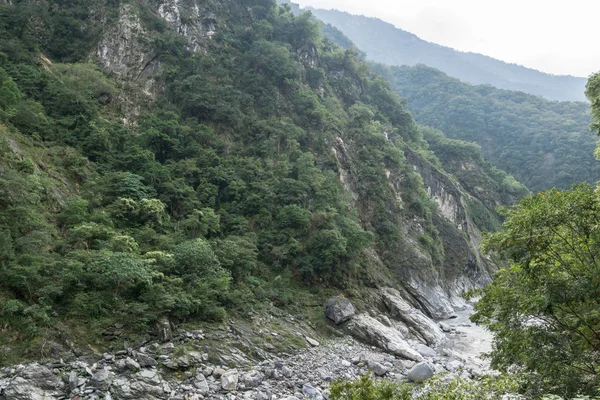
[{"x": 384, "y": 43}]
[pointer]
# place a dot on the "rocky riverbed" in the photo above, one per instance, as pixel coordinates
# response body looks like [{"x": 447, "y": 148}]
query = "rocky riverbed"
[{"x": 180, "y": 368}]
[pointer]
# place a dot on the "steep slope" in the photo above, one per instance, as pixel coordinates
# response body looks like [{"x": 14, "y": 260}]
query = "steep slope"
[
  {"x": 214, "y": 158},
  {"x": 544, "y": 144},
  {"x": 384, "y": 43}
]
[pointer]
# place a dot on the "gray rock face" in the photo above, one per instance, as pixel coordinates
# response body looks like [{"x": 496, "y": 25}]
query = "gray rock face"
[
  {"x": 229, "y": 380},
  {"x": 375, "y": 333},
  {"x": 163, "y": 329},
  {"x": 339, "y": 309},
  {"x": 420, "y": 372},
  {"x": 416, "y": 321}
]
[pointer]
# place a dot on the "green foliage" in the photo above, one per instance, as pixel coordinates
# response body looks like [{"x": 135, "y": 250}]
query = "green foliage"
[
  {"x": 226, "y": 187},
  {"x": 543, "y": 309},
  {"x": 438, "y": 388},
  {"x": 542, "y": 143}
]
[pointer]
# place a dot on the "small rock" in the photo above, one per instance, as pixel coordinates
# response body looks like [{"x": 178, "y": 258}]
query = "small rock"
[
  {"x": 145, "y": 360},
  {"x": 130, "y": 363},
  {"x": 454, "y": 365},
  {"x": 229, "y": 380},
  {"x": 378, "y": 369},
  {"x": 253, "y": 379},
  {"x": 445, "y": 327},
  {"x": 219, "y": 372},
  {"x": 201, "y": 384},
  {"x": 425, "y": 351},
  {"x": 346, "y": 364},
  {"x": 311, "y": 341},
  {"x": 287, "y": 372}
]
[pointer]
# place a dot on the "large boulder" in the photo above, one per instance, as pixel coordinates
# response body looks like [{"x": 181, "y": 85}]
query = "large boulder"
[
  {"x": 420, "y": 372},
  {"x": 373, "y": 332},
  {"x": 339, "y": 309},
  {"x": 417, "y": 322}
]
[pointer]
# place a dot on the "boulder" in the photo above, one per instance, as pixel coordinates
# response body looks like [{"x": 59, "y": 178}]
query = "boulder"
[
  {"x": 425, "y": 351},
  {"x": 339, "y": 309},
  {"x": 311, "y": 341},
  {"x": 373, "y": 332},
  {"x": 229, "y": 380},
  {"x": 417, "y": 322},
  {"x": 201, "y": 384},
  {"x": 420, "y": 372},
  {"x": 311, "y": 392}
]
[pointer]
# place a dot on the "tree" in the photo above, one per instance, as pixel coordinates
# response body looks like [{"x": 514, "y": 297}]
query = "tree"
[{"x": 545, "y": 308}]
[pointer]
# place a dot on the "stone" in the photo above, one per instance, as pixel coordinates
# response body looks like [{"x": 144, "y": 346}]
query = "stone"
[
  {"x": 287, "y": 372},
  {"x": 253, "y": 379},
  {"x": 229, "y": 380},
  {"x": 425, "y": 351},
  {"x": 339, "y": 309},
  {"x": 145, "y": 360},
  {"x": 377, "y": 368},
  {"x": 445, "y": 327},
  {"x": 311, "y": 392},
  {"x": 201, "y": 384},
  {"x": 130, "y": 363},
  {"x": 420, "y": 372},
  {"x": 346, "y": 364},
  {"x": 454, "y": 365},
  {"x": 373, "y": 332},
  {"x": 312, "y": 341},
  {"x": 101, "y": 379},
  {"x": 149, "y": 376},
  {"x": 163, "y": 330},
  {"x": 218, "y": 372}
]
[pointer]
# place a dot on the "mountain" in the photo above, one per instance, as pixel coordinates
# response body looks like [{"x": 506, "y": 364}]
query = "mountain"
[
  {"x": 543, "y": 143},
  {"x": 386, "y": 44},
  {"x": 185, "y": 163}
]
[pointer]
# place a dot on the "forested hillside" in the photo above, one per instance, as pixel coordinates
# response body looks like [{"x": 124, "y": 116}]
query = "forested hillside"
[
  {"x": 384, "y": 43},
  {"x": 544, "y": 144},
  {"x": 198, "y": 160}
]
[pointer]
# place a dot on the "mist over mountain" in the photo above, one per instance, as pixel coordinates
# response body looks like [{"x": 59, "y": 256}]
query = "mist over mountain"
[{"x": 384, "y": 43}]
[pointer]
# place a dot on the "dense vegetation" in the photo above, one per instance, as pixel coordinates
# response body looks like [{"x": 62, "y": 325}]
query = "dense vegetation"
[
  {"x": 439, "y": 388},
  {"x": 543, "y": 144},
  {"x": 222, "y": 193},
  {"x": 384, "y": 43},
  {"x": 545, "y": 308}
]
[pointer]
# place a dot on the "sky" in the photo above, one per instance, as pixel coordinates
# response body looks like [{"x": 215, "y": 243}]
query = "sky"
[{"x": 557, "y": 37}]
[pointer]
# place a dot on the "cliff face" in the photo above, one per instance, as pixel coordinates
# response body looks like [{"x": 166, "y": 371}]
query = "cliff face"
[{"x": 436, "y": 285}]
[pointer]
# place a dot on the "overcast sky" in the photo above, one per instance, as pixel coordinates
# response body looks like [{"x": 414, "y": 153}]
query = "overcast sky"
[{"x": 558, "y": 37}]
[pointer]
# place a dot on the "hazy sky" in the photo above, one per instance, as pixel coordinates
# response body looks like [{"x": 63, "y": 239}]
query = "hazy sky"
[{"x": 558, "y": 37}]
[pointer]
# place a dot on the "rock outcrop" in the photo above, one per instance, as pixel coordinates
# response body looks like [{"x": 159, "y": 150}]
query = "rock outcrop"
[
  {"x": 373, "y": 332},
  {"x": 415, "y": 319}
]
